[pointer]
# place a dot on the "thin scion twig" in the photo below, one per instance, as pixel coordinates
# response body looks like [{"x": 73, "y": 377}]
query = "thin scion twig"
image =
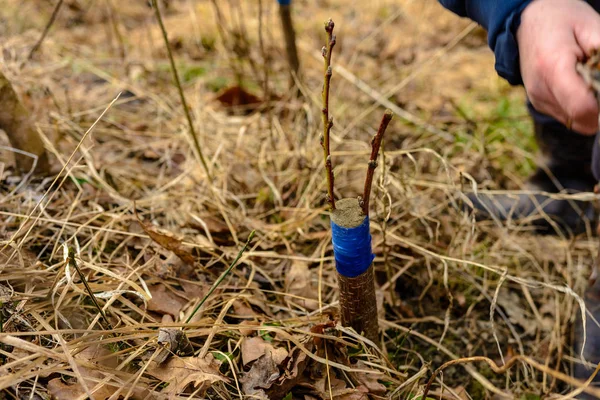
[
  {"x": 179, "y": 88},
  {"x": 375, "y": 145},
  {"x": 73, "y": 263},
  {"x": 328, "y": 122},
  {"x": 37, "y": 45},
  {"x": 223, "y": 275}
]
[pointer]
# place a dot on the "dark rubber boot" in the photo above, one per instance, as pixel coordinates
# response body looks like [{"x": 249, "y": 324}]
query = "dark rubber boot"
[{"x": 569, "y": 160}]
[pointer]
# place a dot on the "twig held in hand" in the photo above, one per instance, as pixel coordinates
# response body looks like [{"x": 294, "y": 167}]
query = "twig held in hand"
[
  {"x": 223, "y": 275},
  {"x": 180, "y": 90},
  {"x": 375, "y": 145},
  {"x": 328, "y": 122}
]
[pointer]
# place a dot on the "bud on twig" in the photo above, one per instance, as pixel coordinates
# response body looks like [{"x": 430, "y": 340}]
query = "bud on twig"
[{"x": 327, "y": 121}]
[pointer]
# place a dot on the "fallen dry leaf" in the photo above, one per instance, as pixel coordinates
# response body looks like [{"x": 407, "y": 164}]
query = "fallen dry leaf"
[
  {"x": 172, "y": 341},
  {"x": 96, "y": 354},
  {"x": 179, "y": 372},
  {"x": 512, "y": 304},
  {"x": 462, "y": 392},
  {"x": 351, "y": 394},
  {"x": 194, "y": 289},
  {"x": 165, "y": 301},
  {"x": 276, "y": 383},
  {"x": 261, "y": 376},
  {"x": 369, "y": 380},
  {"x": 322, "y": 386},
  {"x": 255, "y": 347},
  {"x": 166, "y": 240},
  {"x": 298, "y": 282},
  {"x": 291, "y": 375},
  {"x": 245, "y": 307},
  {"x": 213, "y": 224},
  {"x": 59, "y": 390},
  {"x": 247, "y": 328},
  {"x": 337, "y": 389},
  {"x": 236, "y": 96}
]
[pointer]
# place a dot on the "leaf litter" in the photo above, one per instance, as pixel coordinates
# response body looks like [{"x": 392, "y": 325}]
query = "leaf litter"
[{"x": 270, "y": 328}]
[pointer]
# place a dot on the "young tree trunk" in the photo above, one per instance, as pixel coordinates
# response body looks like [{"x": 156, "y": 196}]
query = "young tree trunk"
[
  {"x": 290, "y": 37},
  {"x": 16, "y": 121}
]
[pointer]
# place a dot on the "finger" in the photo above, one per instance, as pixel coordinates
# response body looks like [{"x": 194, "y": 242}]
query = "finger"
[
  {"x": 587, "y": 31},
  {"x": 577, "y": 103}
]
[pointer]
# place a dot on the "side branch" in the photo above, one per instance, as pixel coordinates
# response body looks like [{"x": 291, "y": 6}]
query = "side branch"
[
  {"x": 328, "y": 122},
  {"x": 375, "y": 145}
]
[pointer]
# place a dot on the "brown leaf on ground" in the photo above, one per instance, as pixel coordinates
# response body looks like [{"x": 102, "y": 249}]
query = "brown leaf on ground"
[
  {"x": 236, "y": 96},
  {"x": 249, "y": 306},
  {"x": 210, "y": 222},
  {"x": 322, "y": 386},
  {"x": 274, "y": 373},
  {"x": 369, "y": 380},
  {"x": 96, "y": 354},
  {"x": 18, "y": 124},
  {"x": 261, "y": 376},
  {"x": 266, "y": 379},
  {"x": 172, "y": 341},
  {"x": 255, "y": 347},
  {"x": 291, "y": 375},
  {"x": 337, "y": 389},
  {"x": 194, "y": 289},
  {"x": 165, "y": 301},
  {"x": 247, "y": 328},
  {"x": 351, "y": 394},
  {"x": 462, "y": 392},
  {"x": 243, "y": 310},
  {"x": 166, "y": 240},
  {"x": 298, "y": 282},
  {"x": 179, "y": 372},
  {"x": 59, "y": 390}
]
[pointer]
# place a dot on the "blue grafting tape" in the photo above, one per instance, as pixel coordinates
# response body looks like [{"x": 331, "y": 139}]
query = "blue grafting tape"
[
  {"x": 352, "y": 248},
  {"x": 284, "y": 2}
]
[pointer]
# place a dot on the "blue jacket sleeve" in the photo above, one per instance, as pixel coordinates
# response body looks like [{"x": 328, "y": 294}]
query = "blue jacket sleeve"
[{"x": 500, "y": 18}]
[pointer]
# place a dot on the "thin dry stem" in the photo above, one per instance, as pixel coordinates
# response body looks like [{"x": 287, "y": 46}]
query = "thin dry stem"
[
  {"x": 186, "y": 110},
  {"x": 220, "y": 279},
  {"x": 73, "y": 263},
  {"x": 581, "y": 385},
  {"x": 39, "y": 42},
  {"x": 375, "y": 145},
  {"x": 328, "y": 122}
]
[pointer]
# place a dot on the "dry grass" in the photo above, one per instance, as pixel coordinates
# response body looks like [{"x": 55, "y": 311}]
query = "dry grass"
[{"x": 450, "y": 287}]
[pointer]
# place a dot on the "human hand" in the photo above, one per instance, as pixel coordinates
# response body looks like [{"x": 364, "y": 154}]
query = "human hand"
[{"x": 553, "y": 36}]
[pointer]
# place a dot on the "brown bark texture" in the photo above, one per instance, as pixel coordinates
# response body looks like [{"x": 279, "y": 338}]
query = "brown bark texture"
[{"x": 358, "y": 304}]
